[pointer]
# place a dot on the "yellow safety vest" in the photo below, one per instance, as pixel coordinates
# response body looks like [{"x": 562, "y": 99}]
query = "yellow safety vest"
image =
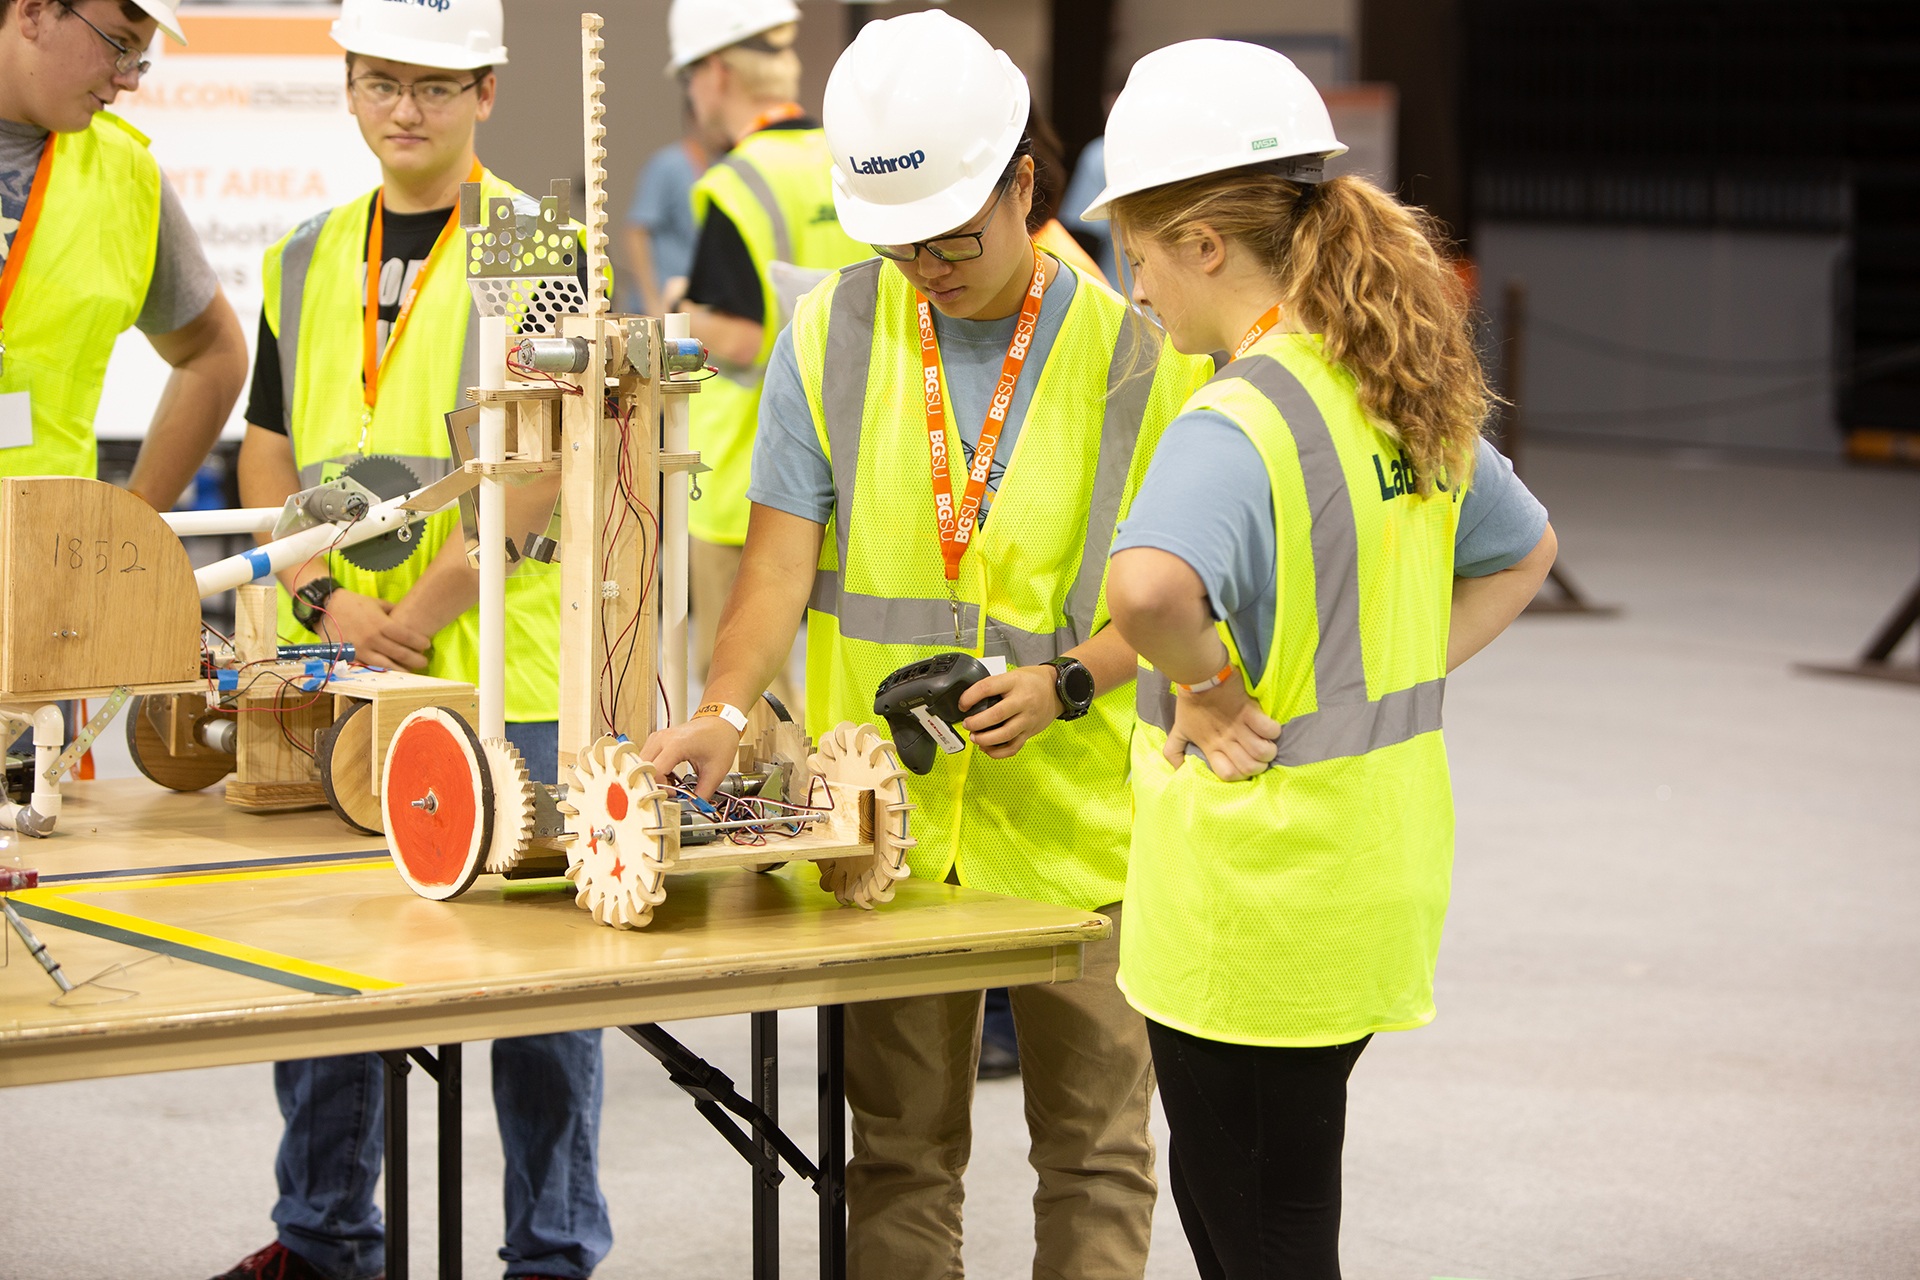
[
  {"x": 777, "y": 189},
  {"x": 314, "y": 286},
  {"x": 1051, "y": 822},
  {"x": 1304, "y": 906},
  {"x": 82, "y": 285}
]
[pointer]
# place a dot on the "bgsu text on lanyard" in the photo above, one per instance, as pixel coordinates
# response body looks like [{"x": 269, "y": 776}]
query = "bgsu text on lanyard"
[{"x": 957, "y": 525}]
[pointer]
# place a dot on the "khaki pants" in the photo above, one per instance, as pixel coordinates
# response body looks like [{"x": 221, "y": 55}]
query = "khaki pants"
[
  {"x": 711, "y": 568},
  {"x": 1088, "y": 1076}
]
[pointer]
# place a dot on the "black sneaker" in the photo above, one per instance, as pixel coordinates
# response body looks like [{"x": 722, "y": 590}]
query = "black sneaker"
[
  {"x": 275, "y": 1262},
  {"x": 997, "y": 1061}
]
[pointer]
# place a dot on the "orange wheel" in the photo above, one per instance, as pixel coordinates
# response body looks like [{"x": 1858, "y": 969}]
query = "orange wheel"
[{"x": 438, "y": 803}]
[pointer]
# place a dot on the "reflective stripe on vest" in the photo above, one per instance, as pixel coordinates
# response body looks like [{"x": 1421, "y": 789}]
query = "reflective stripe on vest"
[
  {"x": 762, "y": 191},
  {"x": 1346, "y": 723},
  {"x": 843, "y": 397}
]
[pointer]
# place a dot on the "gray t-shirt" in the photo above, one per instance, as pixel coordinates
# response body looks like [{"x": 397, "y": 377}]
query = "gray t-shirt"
[
  {"x": 182, "y": 284},
  {"x": 790, "y": 470},
  {"x": 1206, "y": 499}
]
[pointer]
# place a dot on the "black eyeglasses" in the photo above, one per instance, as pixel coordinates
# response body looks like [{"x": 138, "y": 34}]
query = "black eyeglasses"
[
  {"x": 125, "y": 60},
  {"x": 962, "y": 246}
]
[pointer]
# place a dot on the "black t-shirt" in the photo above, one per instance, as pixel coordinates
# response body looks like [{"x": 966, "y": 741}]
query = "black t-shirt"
[{"x": 724, "y": 275}]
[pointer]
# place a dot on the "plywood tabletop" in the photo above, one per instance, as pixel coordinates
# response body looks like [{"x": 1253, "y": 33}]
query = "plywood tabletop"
[{"x": 313, "y": 945}]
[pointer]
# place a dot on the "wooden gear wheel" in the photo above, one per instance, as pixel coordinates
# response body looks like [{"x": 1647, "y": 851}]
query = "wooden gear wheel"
[
  {"x": 616, "y": 813},
  {"x": 512, "y": 805},
  {"x": 437, "y": 797},
  {"x": 855, "y": 755},
  {"x": 344, "y": 753},
  {"x": 198, "y": 767}
]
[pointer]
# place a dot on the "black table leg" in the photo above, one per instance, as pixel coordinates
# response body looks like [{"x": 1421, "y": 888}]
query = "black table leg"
[
  {"x": 832, "y": 1154},
  {"x": 765, "y": 1052},
  {"x": 396, "y": 1149},
  {"x": 450, "y": 1231}
]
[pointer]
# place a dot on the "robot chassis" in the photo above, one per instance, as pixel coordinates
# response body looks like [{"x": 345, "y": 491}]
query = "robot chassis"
[{"x": 565, "y": 387}]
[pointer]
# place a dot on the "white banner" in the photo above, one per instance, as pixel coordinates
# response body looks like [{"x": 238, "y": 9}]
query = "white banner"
[{"x": 250, "y": 123}]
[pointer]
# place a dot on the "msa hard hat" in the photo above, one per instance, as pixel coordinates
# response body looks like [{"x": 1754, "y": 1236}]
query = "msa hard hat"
[
  {"x": 1204, "y": 106},
  {"x": 918, "y": 149},
  {"x": 696, "y": 28},
  {"x": 166, "y": 13},
  {"x": 453, "y": 35}
]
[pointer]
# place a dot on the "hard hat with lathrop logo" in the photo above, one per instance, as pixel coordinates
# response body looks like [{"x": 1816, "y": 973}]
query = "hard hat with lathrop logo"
[
  {"x": 918, "y": 148},
  {"x": 696, "y": 28},
  {"x": 166, "y": 13},
  {"x": 454, "y": 35},
  {"x": 1203, "y": 106}
]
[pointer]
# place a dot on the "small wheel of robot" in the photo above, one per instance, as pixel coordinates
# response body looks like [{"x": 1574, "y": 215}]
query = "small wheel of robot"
[
  {"x": 437, "y": 797},
  {"x": 615, "y": 812},
  {"x": 345, "y": 758},
  {"x": 198, "y": 768},
  {"x": 855, "y": 755}
]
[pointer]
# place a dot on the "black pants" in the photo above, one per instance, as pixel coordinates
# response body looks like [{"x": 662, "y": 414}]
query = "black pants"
[{"x": 1255, "y": 1158}]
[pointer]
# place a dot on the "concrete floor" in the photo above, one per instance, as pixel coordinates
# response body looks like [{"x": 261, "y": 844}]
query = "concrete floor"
[{"x": 1680, "y": 1026}]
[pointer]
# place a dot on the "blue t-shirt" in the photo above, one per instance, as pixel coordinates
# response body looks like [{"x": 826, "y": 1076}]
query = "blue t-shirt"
[
  {"x": 663, "y": 204},
  {"x": 790, "y": 470},
  {"x": 1206, "y": 499}
]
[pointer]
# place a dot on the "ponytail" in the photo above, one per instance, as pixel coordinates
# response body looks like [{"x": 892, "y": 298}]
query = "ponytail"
[{"x": 1365, "y": 271}]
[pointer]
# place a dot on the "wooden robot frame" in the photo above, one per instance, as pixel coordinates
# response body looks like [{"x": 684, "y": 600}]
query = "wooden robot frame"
[{"x": 565, "y": 388}]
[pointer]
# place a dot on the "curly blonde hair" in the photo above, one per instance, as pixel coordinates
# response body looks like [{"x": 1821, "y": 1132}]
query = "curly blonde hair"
[{"x": 1369, "y": 274}]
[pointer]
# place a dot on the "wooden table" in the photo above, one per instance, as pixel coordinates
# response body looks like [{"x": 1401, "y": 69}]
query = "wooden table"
[{"x": 250, "y": 938}]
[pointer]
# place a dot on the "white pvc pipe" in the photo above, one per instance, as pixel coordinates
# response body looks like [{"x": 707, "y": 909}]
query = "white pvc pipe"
[
  {"x": 297, "y": 548},
  {"x": 36, "y": 818},
  {"x": 492, "y": 447},
  {"x": 673, "y": 572},
  {"x": 192, "y": 524}
]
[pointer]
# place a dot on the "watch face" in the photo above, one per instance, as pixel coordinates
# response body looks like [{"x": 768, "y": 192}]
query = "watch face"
[{"x": 1077, "y": 683}]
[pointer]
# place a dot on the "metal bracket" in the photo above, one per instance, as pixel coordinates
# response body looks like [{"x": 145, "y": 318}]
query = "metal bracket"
[
  {"x": 711, "y": 1089},
  {"x": 83, "y": 740}
]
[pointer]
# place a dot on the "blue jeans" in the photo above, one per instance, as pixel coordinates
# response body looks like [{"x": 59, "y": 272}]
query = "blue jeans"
[{"x": 546, "y": 1095}]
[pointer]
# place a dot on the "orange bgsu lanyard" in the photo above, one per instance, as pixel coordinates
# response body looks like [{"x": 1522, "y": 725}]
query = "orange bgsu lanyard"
[
  {"x": 956, "y": 527},
  {"x": 370, "y": 354},
  {"x": 29, "y": 220},
  {"x": 1259, "y": 330}
]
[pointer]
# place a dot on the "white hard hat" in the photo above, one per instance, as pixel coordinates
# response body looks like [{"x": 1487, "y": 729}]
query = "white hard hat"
[
  {"x": 922, "y": 115},
  {"x": 696, "y": 28},
  {"x": 1203, "y": 106},
  {"x": 165, "y": 12},
  {"x": 455, "y": 35}
]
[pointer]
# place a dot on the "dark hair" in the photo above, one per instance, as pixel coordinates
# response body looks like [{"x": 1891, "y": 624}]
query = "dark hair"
[{"x": 1038, "y": 140}]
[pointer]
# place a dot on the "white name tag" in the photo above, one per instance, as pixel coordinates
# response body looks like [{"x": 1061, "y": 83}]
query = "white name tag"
[
  {"x": 996, "y": 665},
  {"x": 16, "y": 420}
]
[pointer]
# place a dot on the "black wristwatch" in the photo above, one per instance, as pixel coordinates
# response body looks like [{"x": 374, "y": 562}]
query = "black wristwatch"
[
  {"x": 1073, "y": 685},
  {"x": 310, "y": 600}
]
